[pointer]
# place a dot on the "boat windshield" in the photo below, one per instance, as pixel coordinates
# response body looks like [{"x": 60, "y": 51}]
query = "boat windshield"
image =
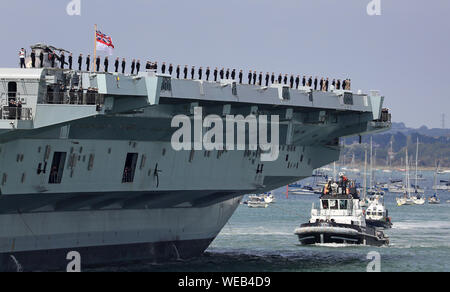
[
  {"x": 334, "y": 205},
  {"x": 343, "y": 204}
]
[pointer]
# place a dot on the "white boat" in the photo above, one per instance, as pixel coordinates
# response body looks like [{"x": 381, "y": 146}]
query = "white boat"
[
  {"x": 257, "y": 202},
  {"x": 269, "y": 198},
  {"x": 418, "y": 200},
  {"x": 305, "y": 190},
  {"x": 406, "y": 200},
  {"x": 340, "y": 220},
  {"x": 434, "y": 200},
  {"x": 376, "y": 214}
]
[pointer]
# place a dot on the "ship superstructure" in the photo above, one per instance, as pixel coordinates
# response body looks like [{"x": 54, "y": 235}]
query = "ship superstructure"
[{"x": 87, "y": 164}]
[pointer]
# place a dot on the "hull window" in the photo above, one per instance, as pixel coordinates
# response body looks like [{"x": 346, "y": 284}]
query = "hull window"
[
  {"x": 130, "y": 168},
  {"x": 57, "y": 169}
]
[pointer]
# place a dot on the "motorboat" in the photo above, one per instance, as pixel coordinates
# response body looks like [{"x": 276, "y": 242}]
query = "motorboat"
[{"x": 377, "y": 214}]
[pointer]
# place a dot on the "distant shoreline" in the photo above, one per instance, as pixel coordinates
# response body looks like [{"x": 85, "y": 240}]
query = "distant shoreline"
[{"x": 392, "y": 168}]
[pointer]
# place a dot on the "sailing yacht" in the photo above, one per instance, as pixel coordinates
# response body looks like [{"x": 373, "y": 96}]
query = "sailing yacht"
[
  {"x": 434, "y": 199},
  {"x": 406, "y": 199},
  {"x": 418, "y": 199}
]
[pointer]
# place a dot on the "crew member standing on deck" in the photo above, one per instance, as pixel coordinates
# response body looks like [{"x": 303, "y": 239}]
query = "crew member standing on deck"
[
  {"x": 200, "y": 73},
  {"x": 33, "y": 59},
  {"x": 97, "y": 63},
  {"x": 22, "y": 58},
  {"x": 304, "y": 81},
  {"x": 254, "y": 77},
  {"x": 178, "y": 71},
  {"x": 280, "y": 78},
  {"x": 138, "y": 66},
  {"x": 233, "y": 74},
  {"x": 250, "y": 77},
  {"x": 297, "y": 82},
  {"x": 291, "y": 81},
  {"x": 222, "y": 73},
  {"x": 124, "y": 64},
  {"x": 272, "y": 78},
  {"x": 315, "y": 83},
  {"x": 208, "y": 72},
  {"x": 260, "y": 77},
  {"x": 285, "y": 79},
  {"x": 70, "y": 61},
  {"x": 41, "y": 59},
  {"x": 133, "y": 66},
  {"x": 267, "y": 78},
  {"x": 228, "y": 74},
  {"x": 185, "y": 71},
  {"x": 62, "y": 60},
  {"x": 80, "y": 61},
  {"x": 241, "y": 76},
  {"x": 216, "y": 71},
  {"x": 116, "y": 65},
  {"x": 170, "y": 69},
  {"x": 53, "y": 59},
  {"x": 192, "y": 72},
  {"x": 88, "y": 62},
  {"x": 163, "y": 68},
  {"x": 106, "y": 64}
]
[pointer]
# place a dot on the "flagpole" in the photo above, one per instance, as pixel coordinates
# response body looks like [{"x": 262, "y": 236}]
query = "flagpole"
[{"x": 95, "y": 48}]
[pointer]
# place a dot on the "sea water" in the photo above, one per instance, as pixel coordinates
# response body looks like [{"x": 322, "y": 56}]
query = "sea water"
[{"x": 263, "y": 240}]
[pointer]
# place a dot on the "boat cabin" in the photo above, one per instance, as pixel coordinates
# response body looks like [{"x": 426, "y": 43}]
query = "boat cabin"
[{"x": 340, "y": 209}]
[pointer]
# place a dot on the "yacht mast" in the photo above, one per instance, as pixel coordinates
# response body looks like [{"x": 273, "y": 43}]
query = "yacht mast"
[
  {"x": 371, "y": 163},
  {"x": 417, "y": 162},
  {"x": 365, "y": 175},
  {"x": 407, "y": 173}
]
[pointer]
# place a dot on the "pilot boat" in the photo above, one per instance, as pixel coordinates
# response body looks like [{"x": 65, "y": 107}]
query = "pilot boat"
[
  {"x": 340, "y": 220},
  {"x": 376, "y": 214}
]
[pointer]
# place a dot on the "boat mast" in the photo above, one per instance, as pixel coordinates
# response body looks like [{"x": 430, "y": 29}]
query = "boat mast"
[
  {"x": 365, "y": 174},
  {"x": 407, "y": 173},
  {"x": 417, "y": 161},
  {"x": 371, "y": 162}
]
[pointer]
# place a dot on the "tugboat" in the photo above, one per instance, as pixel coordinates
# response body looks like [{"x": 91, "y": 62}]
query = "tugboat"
[
  {"x": 376, "y": 214},
  {"x": 340, "y": 220}
]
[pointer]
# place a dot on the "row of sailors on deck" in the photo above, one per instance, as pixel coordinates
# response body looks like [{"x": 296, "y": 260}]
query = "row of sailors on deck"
[{"x": 254, "y": 77}]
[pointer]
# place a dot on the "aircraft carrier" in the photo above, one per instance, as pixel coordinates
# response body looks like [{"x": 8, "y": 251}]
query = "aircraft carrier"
[{"x": 87, "y": 164}]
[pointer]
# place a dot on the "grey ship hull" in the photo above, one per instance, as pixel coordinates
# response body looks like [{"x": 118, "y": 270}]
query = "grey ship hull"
[
  {"x": 41, "y": 241},
  {"x": 177, "y": 201}
]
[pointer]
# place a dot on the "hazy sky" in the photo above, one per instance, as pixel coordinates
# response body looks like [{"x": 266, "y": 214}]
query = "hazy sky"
[{"x": 404, "y": 53}]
